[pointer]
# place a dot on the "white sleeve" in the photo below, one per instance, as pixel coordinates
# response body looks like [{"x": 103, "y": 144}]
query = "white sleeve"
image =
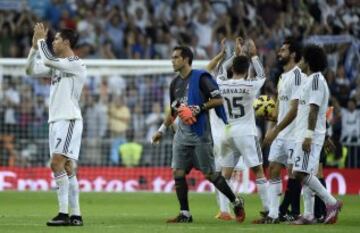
[
  {"x": 296, "y": 85},
  {"x": 258, "y": 67},
  {"x": 227, "y": 64},
  {"x": 35, "y": 67},
  {"x": 317, "y": 91},
  {"x": 62, "y": 64},
  {"x": 259, "y": 81}
]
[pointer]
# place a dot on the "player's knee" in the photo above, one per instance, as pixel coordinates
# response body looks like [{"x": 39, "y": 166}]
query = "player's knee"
[
  {"x": 57, "y": 163},
  {"x": 299, "y": 176},
  {"x": 258, "y": 170},
  {"x": 227, "y": 173},
  {"x": 274, "y": 170},
  {"x": 70, "y": 167},
  {"x": 178, "y": 173}
]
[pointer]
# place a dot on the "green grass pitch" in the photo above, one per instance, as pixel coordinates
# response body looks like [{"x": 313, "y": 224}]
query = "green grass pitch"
[{"x": 147, "y": 212}]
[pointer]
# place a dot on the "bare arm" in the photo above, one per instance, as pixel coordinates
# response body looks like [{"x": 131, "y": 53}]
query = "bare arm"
[
  {"x": 213, "y": 103},
  {"x": 215, "y": 61},
  {"x": 289, "y": 117},
  {"x": 313, "y": 114}
]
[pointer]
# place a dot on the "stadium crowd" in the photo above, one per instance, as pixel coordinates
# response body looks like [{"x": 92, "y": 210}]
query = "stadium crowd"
[{"x": 140, "y": 29}]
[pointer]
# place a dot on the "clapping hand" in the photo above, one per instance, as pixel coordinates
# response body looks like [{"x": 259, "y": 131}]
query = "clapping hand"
[{"x": 40, "y": 32}]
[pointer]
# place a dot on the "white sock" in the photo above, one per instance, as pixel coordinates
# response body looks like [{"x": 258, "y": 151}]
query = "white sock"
[
  {"x": 224, "y": 201},
  {"x": 275, "y": 187},
  {"x": 185, "y": 212},
  {"x": 261, "y": 185},
  {"x": 62, "y": 182},
  {"x": 246, "y": 180},
  {"x": 74, "y": 196},
  {"x": 309, "y": 200},
  {"x": 314, "y": 184},
  {"x": 217, "y": 195}
]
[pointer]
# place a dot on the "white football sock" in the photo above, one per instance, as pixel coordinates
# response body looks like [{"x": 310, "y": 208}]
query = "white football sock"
[
  {"x": 74, "y": 196},
  {"x": 314, "y": 184},
  {"x": 185, "y": 212},
  {"x": 224, "y": 201},
  {"x": 62, "y": 182},
  {"x": 275, "y": 187},
  {"x": 261, "y": 185},
  {"x": 309, "y": 200}
]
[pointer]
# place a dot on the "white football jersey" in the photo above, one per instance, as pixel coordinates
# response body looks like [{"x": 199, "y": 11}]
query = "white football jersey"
[
  {"x": 350, "y": 123},
  {"x": 288, "y": 89},
  {"x": 239, "y": 95},
  {"x": 314, "y": 91},
  {"x": 67, "y": 81}
]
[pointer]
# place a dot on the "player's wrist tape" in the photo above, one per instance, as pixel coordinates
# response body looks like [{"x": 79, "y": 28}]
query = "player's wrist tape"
[
  {"x": 203, "y": 107},
  {"x": 162, "y": 128},
  {"x": 309, "y": 133}
]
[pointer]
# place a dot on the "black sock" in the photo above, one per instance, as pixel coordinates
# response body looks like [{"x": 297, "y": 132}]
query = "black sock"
[
  {"x": 320, "y": 207},
  {"x": 295, "y": 199},
  {"x": 284, "y": 206},
  {"x": 181, "y": 188},
  {"x": 220, "y": 183}
]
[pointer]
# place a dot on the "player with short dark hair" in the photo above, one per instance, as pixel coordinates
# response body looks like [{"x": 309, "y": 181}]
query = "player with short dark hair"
[
  {"x": 67, "y": 73},
  {"x": 282, "y": 136},
  {"x": 192, "y": 93},
  {"x": 240, "y": 139},
  {"x": 310, "y": 128}
]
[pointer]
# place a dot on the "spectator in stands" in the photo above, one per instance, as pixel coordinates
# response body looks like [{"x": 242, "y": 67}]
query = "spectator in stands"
[
  {"x": 154, "y": 120},
  {"x": 10, "y": 102},
  {"x": 40, "y": 127},
  {"x": 350, "y": 121},
  {"x": 25, "y": 116},
  {"x": 54, "y": 10},
  {"x": 138, "y": 125},
  {"x": 7, "y": 33},
  {"x": 119, "y": 119},
  {"x": 143, "y": 29},
  {"x": 130, "y": 151},
  {"x": 96, "y": 125},
  {"x": 115, "y": 31}
]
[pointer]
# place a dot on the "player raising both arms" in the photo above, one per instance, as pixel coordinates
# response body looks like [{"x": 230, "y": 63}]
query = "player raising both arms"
[
  {"x": 67, "y": 73},
  {"x": 220, "y": 69},
  {"x": 240, "y": 136}
]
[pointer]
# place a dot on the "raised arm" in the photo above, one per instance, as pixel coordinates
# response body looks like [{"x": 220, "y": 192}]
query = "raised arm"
[
  {"x": 35, "y": 67},
  {"x": 238, "y": 51},
  {"x": 63, "y": 64},
  {"x": 251, "y": 51},
  {"x": 258, "y": 67},
  {"x": 68, "y": 64},
  {"x": 218, "y": 58}
]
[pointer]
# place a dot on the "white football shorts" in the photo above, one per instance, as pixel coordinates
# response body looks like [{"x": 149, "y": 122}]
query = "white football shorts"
[
  {"x": 236, "y": 145},
  {"x": 307, "y": 162},
  {"x": 281, "y": 151},
  {"x": 65, "y": 138}
]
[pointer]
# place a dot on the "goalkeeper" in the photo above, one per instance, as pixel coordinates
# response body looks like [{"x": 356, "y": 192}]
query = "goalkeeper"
[{"x": 192, "y": 94}]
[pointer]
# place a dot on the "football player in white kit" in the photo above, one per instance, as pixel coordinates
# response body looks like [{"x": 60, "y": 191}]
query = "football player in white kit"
[
  {"x": 67, "y": 73},
  {"x": 241, "y": 133},
  {"x": 310, "y": 128},
  {"x": 281, "y": 136},
  {"x": 219, "y": 70}
]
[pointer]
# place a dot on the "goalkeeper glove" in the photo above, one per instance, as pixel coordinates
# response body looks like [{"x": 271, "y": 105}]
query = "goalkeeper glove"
[{"x": 188, "y": 113}]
